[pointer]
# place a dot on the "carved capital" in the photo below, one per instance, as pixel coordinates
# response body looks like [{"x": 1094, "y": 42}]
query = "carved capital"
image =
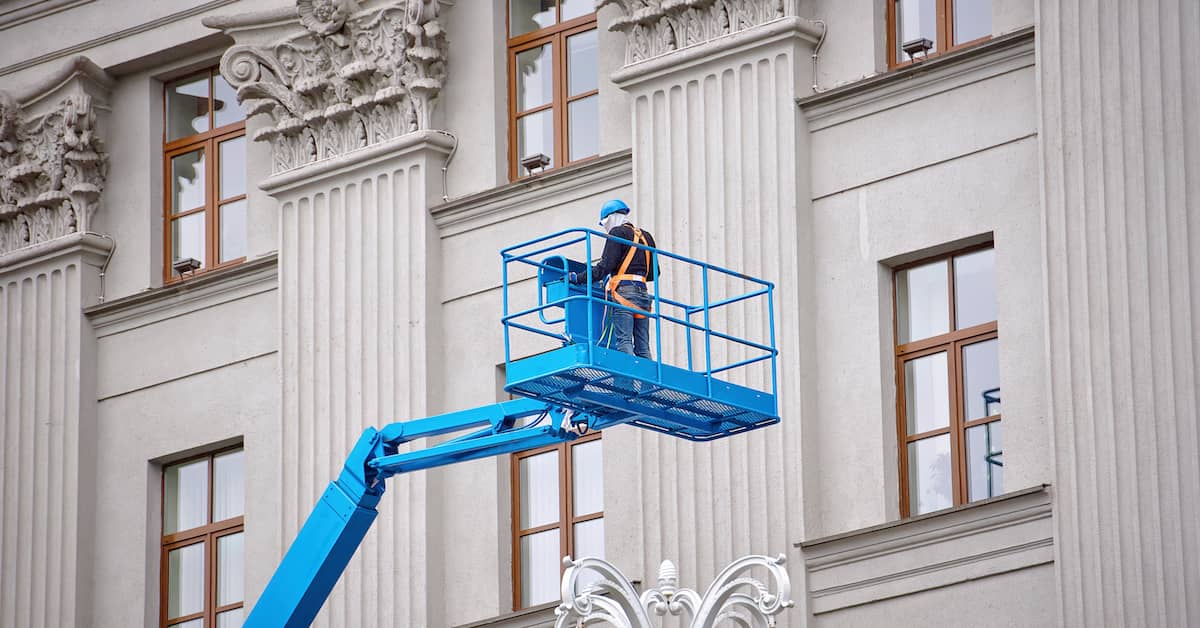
[
  {"x": 52, "y": 161},
  {"x": 344, "y": 75},
  {"x": 657, "y": 27}
]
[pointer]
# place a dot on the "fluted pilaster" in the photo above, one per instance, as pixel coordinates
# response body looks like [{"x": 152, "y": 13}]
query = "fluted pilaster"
[{"x": 1120, "y": 137}]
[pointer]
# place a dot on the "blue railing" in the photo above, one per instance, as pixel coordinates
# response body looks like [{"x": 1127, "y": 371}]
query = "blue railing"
[{"x": 543, "y": 263}]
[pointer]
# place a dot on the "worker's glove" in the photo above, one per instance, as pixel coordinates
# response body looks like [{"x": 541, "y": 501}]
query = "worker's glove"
[{"x": 575, "y": 278}]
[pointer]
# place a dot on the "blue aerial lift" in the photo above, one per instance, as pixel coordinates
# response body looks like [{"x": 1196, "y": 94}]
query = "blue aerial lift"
[{"x": 576, "y": 383}]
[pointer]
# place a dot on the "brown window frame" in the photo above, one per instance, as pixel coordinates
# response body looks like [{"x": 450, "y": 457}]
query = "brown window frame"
[
  {"x": 945, "y": 33},
  {"x": 209, "y": 141},
  {"x": 208, "y": 534},
  {"x": 952, "y": 343},
  {"x": 566, "y": 506},
  {"x": 555, "y": 35}
]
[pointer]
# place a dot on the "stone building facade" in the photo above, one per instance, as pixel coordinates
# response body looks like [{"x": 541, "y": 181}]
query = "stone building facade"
[{"x": 342, "y": 175}]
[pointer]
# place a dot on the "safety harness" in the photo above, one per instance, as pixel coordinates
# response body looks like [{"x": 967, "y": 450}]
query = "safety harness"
[{"x": 622, "y": 273}]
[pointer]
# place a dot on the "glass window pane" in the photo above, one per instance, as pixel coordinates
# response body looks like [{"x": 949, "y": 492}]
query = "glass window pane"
[
  {"x": 926, "y": 393},
  {"x": 539, "y": 568},
  {"x": 187, "y": 238},
  {"x": 975, "y": 288},
  {"x": 915, "y": 19},
  {"x": 972, "y": 19},
  {"x": 981, "y": 379},
  {"x": 233, "y": 230},
  {"x": 525, "y": 16},
  {"x": 185, "y": 580},
  {"x": 583, "y": 70},
  {"x": 230, "y": 568},
  {"x": 233, "y": 167},
  {"x": 186, "y": 500},
  {"x": 187, "y": 107},
  {"x": 187, "y": 181},
  {"x": 226, "y": 109},
  {"x": 584, "y": 117},
  {"x": 929, "y": 478},
  {"x": 229, "y": 485},
  {"x": 587, "y": 477},
  {"x": 231, "y": 619},
  {"x": 191, "y": 623},
  {"x": 535, "y": 77},
  {"x": 985, "y": 461},
  {"x": 922, "y": 303},
  {"x": 539, "y": 489},
  {"x": 589, "y": 543},
  {"x": 535, "y": 134},
  {"x": 572, "y": 9}
]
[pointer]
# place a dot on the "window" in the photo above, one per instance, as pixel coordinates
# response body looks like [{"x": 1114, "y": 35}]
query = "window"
[
  {"x": 204, "y": 163},
  {"x": 948, "y": 382},
  {"x": 202, "y": 565},
  {"x": 558, "y": 510},
  {"x": 948, "y": 24},
  {"x": 553, "y": 87}
]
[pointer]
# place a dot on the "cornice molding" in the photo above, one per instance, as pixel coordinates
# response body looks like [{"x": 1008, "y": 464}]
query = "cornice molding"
[
  {"x": 336, "y": 76},
  {"x": 1000, "y": 55},
  {"x": 316, "y": 173},
  {"x": 534, "y": 194},
  {"x": 997, "y": 535},
  {"x": 93, "y": 246},
  {"x": 31, "y": 10}
]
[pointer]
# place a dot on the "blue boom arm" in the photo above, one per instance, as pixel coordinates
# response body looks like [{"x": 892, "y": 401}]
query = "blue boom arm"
[{"x": 341, "y": 518}]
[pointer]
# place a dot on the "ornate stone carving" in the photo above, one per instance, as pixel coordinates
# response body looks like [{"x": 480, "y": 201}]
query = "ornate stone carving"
[
  {"x": 354, "y": 76},
  {"x": 52, "y": 171},
  {"x": 594, "y": 591},
  {"x": 656, "y": 27}
]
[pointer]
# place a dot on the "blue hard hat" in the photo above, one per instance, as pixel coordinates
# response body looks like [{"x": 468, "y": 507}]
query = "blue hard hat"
[{"x": 612, "y": 207}]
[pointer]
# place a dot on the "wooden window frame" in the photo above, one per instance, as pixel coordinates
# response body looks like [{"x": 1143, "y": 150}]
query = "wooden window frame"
[
  {"x": 210, "y": 142},
  {"x": 560, "y": 100},
  {"x": 952, "y": 343},
  {"x": 945, "y": 33},
  {"x": 566, "y": 506},
  {"x": 207, "y": 534}
]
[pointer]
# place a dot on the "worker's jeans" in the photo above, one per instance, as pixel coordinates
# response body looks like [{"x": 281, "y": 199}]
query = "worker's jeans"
[{"x": 631, "y": 334}]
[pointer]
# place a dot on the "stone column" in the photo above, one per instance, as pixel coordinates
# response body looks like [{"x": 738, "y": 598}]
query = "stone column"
[
  {"x": 1120, "y": 139},
  {"x": 349, "y": 93},
  {"x": 52, "y": 166},
  {"x": 720, "y": 174}
]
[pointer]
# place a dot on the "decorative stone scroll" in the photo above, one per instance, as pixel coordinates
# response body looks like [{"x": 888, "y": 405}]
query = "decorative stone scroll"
[
  {"x": 52, "y": 163},
  {"x": 656, "y": 27},
  {"x": 596, "y": 592},
  {"x": 356, "y": 75}
]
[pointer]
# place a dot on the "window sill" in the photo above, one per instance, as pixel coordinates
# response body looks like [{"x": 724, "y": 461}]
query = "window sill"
[
  {"x": 994, "y": 536},
  {"x": 541, "y": 616}
]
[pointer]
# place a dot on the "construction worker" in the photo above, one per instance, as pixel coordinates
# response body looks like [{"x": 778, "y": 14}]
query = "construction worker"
[{"x": 628, "y": 268}]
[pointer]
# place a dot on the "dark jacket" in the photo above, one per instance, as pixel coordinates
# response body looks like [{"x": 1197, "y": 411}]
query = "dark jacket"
[{"x": 615, "y": 251}]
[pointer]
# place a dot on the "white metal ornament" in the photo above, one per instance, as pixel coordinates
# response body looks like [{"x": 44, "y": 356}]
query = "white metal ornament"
[{"x": 594, "y": 592}]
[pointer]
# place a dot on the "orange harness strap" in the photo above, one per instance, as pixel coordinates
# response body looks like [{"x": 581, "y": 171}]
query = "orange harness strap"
[{"x": 622, "y": 273}]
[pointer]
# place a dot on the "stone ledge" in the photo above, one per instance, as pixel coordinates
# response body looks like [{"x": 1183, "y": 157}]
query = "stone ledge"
[
  {"x": 994, "y": 536},
  {"x": 535, "y": 617},
  {"x": 942, "y": 73},
  {"x": 204, "y": 291}
]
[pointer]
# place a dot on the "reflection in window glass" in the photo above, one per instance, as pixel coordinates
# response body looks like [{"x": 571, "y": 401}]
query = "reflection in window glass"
[
  {"x": 587, "y": 477},
  {"x": 972, "y": 20},
  {"x": 185, "y": 580},
  {"x": 230, "y": 568},
  {"x": 192, "y": 623},
  {"x": 539, "y": 568},
  {"x": 186, "y": 497},
  {"x": 187, "y": 181},
  {"x": 584, "y": 116},
  {"x": 233, "y": 230},
  {"x": 929, "y": 480},
  {"x": 187, "y": 238},
  {"x": 228, "y": 485},
  {"x": 583, "y": 69},
  {"x": 589, "y": 543},
  {"x": 975, "y": 288},
  {"x": 539, "y": 489},
  {"x": 535, "y": 134},
  {"x": 230, "y": 619},
  {"x": 572, "y": 9},
  {"x": 926, "y": 393},
  {"x": 225, "y": 105},
  {"x": 981, "y": 379},
  {"x": 233, "y": 167},
  {"x": 187, "y": 107},
  {"x": 985, "y": 461},
  {"x": 535, "y": 77},
  {"x": 525, "y": 16},
  {"x": 915, "y": 19},
  {"x": 922, "y": 302}
]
